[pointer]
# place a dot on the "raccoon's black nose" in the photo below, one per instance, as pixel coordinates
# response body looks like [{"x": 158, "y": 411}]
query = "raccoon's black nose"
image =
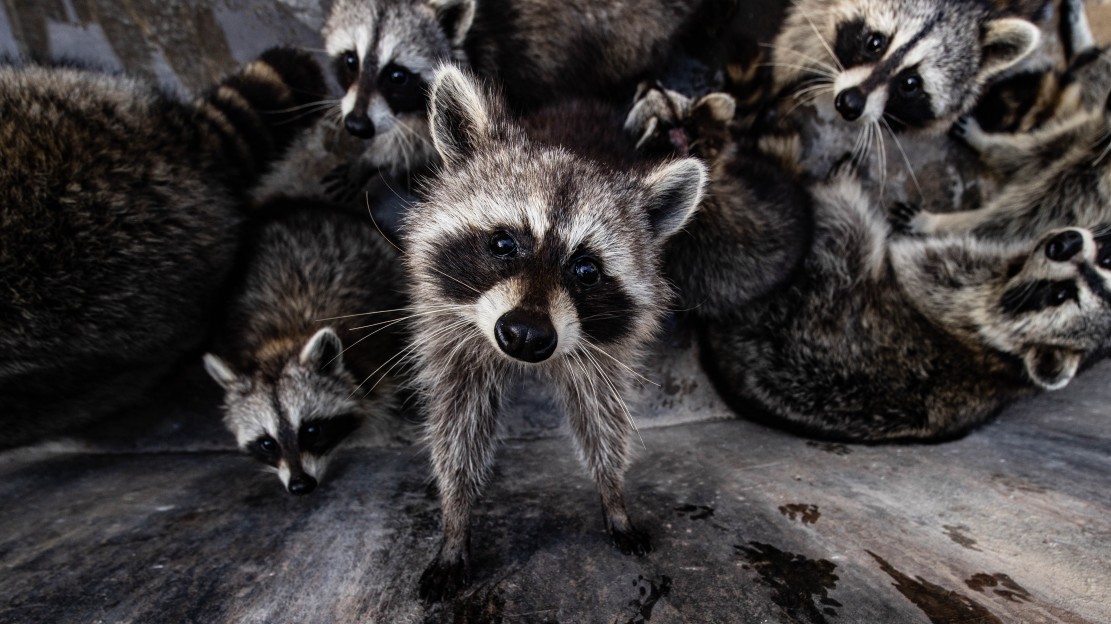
[
  {"x": 526, "y": 336},
  {"x": 850, "y": 103},
  {"x": 1064, "y": 246},
  {"x": 302, "y": 484},
  {"x": 359, "y": 125}
]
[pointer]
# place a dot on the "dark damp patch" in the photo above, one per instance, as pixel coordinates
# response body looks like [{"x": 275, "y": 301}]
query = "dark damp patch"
[
  {"x": 480, "y": 607},
  {"x": 695, "y": 512},
  {"x": 649, "y": 593},
  {"x": 957, "y": 534},
  {"x": 808, "y": 514},
  {"x": 1007, "y": 588},
  {"x": 795, "y": 581},
  {"x": 830, "y": 447},
  {"x": 940, "y": 605}
]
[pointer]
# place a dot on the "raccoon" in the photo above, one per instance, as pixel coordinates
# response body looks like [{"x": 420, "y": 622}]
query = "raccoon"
[
  {"x": 527, "y": 256},
  {"x": 386, "y": 50},
  {"x": 315, "y": 278},
  {"x": 880, "y": 339},
  {"x": 754, "y": 225},
  {"x": 910, "y": 64},
  {"x": 120, "y": 212}
]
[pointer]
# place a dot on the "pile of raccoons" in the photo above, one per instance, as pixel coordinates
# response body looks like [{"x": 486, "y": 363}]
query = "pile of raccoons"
[{"x": 546, "y": 181}]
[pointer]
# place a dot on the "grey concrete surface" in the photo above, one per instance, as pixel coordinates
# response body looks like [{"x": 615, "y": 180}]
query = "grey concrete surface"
[{"x": 154, "y": 517}]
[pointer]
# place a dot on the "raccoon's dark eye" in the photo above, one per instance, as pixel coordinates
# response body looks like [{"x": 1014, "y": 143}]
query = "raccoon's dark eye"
[
  {"x": 503, "y": 245},
  {"x": 351, "y": 61},
  {"x": 875, "y": 44},
  {"x": 586, "y": 270},
  {"x": 910, "y": 85},
  {"x": 403, "y": 89},
  {"x": 398, "y": 75},
  {"x": 1060, "y": 295},
  {"x": 1104, "y": 259},
  {"x": 267, "y": 445}
]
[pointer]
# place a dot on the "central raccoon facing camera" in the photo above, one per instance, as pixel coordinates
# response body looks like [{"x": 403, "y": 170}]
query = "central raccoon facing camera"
[
  {"x": 311, "y": 339},
  {"x": 527, "y": 256},
  {"x": 892, "y": 339},
  {"x": 909, "y": 64},
  {"x": 120, "y": 208}
]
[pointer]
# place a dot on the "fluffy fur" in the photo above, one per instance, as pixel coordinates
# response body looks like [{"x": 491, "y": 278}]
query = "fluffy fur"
[
  {"x": 120, "y": 212},
  {"x": 880, "y": 339},
  {"x": 909, "y": 64},
  {"x": 314, "y": 321},
  {"x": 528, "y": 256}
]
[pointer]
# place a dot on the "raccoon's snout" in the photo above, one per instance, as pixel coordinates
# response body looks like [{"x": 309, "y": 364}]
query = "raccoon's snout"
[
  {"x": 850, "y": 103},
  {"x": 526, "y": 336},
  {"x": 302, "y": 484},
  {"x": 1064, "y": 246},
  {"x": 359, "y": 125}
]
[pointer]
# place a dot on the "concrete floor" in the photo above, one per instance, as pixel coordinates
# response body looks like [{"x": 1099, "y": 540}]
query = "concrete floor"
[{"x": 155, "y": 516}]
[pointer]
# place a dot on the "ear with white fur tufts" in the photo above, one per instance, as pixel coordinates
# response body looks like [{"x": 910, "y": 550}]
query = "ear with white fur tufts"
[
  {"x": 1006, "y": 41},
  {"x": 1050, "y": 368},
  {"x": 219, "y": 370},
  {"x": 675, "y": 190},
  {"x": 459, "y": 115},
  {"x": 323, "y": 352},
  {"x": 455, "y": 17}
]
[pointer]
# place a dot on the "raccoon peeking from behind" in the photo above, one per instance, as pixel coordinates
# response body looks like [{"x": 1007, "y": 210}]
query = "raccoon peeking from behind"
[
  {"x": 121, "y": 208},
  {"x": 527, "y": 256},
  {"x": 906, "y": 64},
  {"x": 310, "y": 339}
]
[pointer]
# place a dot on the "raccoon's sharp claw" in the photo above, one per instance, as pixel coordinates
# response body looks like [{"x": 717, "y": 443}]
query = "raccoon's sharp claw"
[
  {"x": 632, "y": 541},
  {"x": 649, "y": 132},
  {"x": 902, "y": 217},
  {"x": 443, "y": 580}
]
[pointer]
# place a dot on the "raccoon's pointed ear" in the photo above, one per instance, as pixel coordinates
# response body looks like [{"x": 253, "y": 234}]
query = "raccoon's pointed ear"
[
  {"x": 323, "y": 352},
  {"x": 219, "y": 371},
  {"x": 674, "y": 190},
  {"x": 1051, "y": 368},
  {"x": 456, "y": 17},
  {"x": 459, "y": 115},
  {"x": 1006, "y": 41}
]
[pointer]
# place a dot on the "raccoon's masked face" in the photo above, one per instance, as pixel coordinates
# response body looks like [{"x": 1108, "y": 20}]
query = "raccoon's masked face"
[
  {"x": 1055, "y": 307},
  {"x": 912, "y": 64},
  {"x": 292, "y": 421},
  {"x": 542, "y": 253},
  {"x": 384, "y": 55}
]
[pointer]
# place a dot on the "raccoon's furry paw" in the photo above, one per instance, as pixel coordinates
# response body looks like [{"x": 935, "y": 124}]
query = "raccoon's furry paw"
[
  {"x": 632, "y": 541},
  {"x": 968, "y": 131},
  {"x": 442, "y": 580},
  {"x": 656, "y": 119},
  {"x": 902, "y": 217}
]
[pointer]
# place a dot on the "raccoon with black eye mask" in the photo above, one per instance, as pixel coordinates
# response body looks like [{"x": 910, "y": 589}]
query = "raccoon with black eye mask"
[
  {"x": 527, "y": 256},
  {"x": 908, "y": 64}
]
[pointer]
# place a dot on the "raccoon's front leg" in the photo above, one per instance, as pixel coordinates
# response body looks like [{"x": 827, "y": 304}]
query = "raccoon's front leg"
[
  {"x": 601, "y": 424},
  {"x": 462, "y": 422}
]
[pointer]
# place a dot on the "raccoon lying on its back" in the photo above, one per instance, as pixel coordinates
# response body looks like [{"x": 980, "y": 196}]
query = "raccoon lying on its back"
[
  {"x": 880, "y": 339},
  {"x": 525, "y": 255},
  {"x": 120, "y": 210},
  {"x": 912, "y": 64},
  {"x": 386, "y": 50},
  {"x": 314, "y": 274}
]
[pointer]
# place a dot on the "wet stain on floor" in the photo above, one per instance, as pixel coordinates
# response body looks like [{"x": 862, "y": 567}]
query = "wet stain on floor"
[
  {"x": 941, "y": 605},
  {"x": 1000, "y": 584},
  {"x": 695, "y": 512},
  {"x": 799, "y": 585},
  {"x": 649, "y": 593},
  {"x": 958, "y": 535},
  {"x": 830, "y": 447},
  {"x": 807, "y": 514}
]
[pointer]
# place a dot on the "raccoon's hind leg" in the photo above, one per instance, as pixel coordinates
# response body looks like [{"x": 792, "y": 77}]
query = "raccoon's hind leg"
[
  {"x": 601, "y": 423},
  {"x": 462, "y": 422}
]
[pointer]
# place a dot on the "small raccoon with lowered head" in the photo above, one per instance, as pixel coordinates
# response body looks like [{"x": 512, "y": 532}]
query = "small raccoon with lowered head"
[
  {"x": 121, "y": 208},
  {"x": 308, "y": 338},
  {"x": 527, "y": 256},
  {"x": 385, "y": 52},
  {"x": 899, "y": 339},
  {"x": 912, "y": 64}
]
